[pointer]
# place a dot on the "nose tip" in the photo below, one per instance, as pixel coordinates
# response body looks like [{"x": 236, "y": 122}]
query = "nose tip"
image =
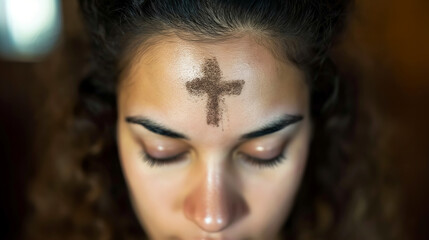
[
  {"x": 211, "y": 224},
  {"x": 214, "y": 213},
  {"x": 213, "y": 207}
]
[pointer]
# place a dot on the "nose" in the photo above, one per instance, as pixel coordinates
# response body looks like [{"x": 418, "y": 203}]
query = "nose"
[{"x": 214, "y": 205}]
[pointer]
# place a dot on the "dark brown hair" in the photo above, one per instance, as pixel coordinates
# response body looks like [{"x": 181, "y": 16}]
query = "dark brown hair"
[{"x": 80, "y": 193}]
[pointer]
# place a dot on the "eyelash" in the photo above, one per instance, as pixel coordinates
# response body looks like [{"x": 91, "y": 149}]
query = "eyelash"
[
  {"x": 261, "y": 163},
  {"x": 154, "y": 161}
]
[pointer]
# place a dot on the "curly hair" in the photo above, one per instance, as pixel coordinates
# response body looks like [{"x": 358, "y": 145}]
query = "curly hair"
[{"x": 80, "y": 192}]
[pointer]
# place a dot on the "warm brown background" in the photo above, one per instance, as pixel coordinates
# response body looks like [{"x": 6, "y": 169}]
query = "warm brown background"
[{"x": 386, "y": 47}]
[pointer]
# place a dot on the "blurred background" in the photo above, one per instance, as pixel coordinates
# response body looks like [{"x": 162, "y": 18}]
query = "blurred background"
[{"x": 43, "y": 53}]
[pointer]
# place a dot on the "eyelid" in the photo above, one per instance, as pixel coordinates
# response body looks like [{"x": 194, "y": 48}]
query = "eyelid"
[
  {"x": 155, "y": 161},
  {"x": 258, "y": 162},
  {"x": 267, "y": 152},
  {"x": 164, "y": 149},
  {"x": 267, "y": 147},
  {"x": 263, "y": 151}
]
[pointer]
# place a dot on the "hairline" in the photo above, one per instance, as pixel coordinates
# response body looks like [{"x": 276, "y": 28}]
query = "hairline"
[{"x": 140, "y": 45}]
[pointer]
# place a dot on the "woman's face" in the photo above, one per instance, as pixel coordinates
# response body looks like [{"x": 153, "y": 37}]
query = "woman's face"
[{"x": 213, "y": 139}]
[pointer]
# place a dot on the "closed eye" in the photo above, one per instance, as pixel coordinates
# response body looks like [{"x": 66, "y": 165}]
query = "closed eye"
[
  {"x": 154, "y": 161},
  {"x": 259, "y": 162}
]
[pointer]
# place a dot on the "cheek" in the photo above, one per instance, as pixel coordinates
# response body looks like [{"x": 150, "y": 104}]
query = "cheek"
[
  {"x": 149, "y": 190},
  {"x": 272, "y": 200},
  {"x": 272, "y": 196}
]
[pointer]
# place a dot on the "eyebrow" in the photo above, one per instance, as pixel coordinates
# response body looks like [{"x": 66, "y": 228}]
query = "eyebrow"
[
  {"x": 270, "y": 128},
  {"x": 274, "y": 126},
  {"x": 155, "y": 127}
]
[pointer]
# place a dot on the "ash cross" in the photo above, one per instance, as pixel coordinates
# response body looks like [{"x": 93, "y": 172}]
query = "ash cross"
[{"x": 215, "y": 89}]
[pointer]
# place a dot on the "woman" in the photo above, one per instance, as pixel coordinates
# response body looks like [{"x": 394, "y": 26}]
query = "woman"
[{"x": 211, "y": 120}]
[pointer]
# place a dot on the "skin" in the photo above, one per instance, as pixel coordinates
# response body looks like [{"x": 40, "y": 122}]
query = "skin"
[{"x": 212, "y": 191}]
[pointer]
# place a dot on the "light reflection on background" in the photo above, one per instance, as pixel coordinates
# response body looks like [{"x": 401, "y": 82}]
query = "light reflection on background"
[{"x": 29, "y": 29}]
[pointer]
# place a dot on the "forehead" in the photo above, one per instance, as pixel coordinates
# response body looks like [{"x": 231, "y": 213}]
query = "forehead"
[{"x": 156, "y": 83}]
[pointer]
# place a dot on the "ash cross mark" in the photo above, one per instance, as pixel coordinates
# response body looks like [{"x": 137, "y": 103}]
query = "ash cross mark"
[{"x": 215, "y": 89}]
